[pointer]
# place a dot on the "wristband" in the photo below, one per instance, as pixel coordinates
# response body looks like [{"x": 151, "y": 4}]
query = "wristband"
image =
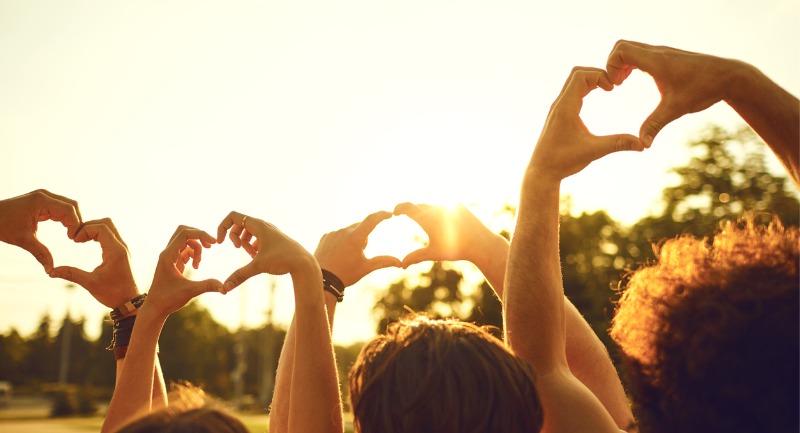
[
  {"x": 127, "y": 308},
  {"x": 333, "y": 285},
  {"x": 121, "y": 333},
  {"x": 120, "y": 352}
]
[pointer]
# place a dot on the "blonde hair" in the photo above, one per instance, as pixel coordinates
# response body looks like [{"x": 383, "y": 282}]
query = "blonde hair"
[{"x": 190, "y": 410}]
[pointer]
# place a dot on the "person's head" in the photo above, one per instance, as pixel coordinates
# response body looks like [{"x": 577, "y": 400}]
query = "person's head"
[
  {"x": 189, "y": 411},
  {"x": 442, "y": 376},
  {"x": 709, "y": 334}
]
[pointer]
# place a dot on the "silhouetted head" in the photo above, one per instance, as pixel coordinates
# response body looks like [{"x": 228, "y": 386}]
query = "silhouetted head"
[
  {"x": 189, "y": 411},
  {"x": 709, "y": 334},
  {"x": 442, "y": 376}
]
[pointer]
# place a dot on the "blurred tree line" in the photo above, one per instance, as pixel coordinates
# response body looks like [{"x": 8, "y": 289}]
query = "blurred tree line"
[{"x": 726, "y": 176}]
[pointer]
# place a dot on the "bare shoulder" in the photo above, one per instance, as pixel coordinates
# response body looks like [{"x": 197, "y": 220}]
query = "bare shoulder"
[{"x": 570, "y": 407}]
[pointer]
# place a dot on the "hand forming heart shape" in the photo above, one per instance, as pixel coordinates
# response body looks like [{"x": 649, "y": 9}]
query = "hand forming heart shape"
[
  {"x": 111, "y": 283},
  {"x": 20, "y": 216}
]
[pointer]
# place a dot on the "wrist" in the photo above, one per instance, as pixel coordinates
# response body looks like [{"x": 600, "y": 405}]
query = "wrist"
[
  {"x": 743, "y": 81},
  {"x": 308, "y": 282},
  {"x": 151, "y": 313},
  {"x": 540, "y": 177},
  {"x": 129, "y": 307},
  {"x": 490, "y": 246},
  {"x": 303, "y": 264}
]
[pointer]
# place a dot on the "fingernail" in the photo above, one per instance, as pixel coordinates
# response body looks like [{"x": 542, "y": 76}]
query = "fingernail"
[
  {"x": 648, "y": 140},
  {"x": 228, "y": 286}
]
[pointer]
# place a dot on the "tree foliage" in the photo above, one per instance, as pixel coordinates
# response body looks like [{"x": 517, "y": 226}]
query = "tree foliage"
[{"x": 726, "y": 176}]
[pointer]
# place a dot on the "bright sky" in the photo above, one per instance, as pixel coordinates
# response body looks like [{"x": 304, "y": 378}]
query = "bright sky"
[{"x": 313, "y": 114}]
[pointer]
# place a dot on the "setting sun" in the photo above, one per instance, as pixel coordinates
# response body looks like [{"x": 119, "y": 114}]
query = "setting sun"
[{"x": 313, "y": 115}]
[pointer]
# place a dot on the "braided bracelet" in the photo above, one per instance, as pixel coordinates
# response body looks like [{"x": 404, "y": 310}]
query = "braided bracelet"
[
  {"x": 333, "y": 285},
  {"x": 127, "y": 308}
]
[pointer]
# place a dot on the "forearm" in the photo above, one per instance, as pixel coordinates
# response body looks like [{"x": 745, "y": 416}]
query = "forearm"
[
  {"x": 160, "y": 399},
  {"x": 533, "y": 298},
  {"x": 314, "y": 403},
  {"x": 159, "y": 394},
  {"x": 587, "y": 357},
  {"x": 589, "y": 361},
  {"x": 133, "y": 394},
  {"x": 772, "y": 112},
  {"x": 492, "y": 262},
  {"x": 279, "y": 411}
]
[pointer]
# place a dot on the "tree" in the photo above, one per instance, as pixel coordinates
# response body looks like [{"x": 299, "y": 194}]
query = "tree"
[
  {"x": 13, "y": 352},
  {"x": 195, "y": 348},
  {"x": 440, "y": 292},
  {"x": 39, "y": 365},
  {"x": 726, "y": 177}
]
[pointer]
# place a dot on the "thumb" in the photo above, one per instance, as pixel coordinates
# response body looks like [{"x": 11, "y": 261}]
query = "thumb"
[
  {"x": 417, "y": 256},
  {"x": 205, "y": 286},
  {"x": 609, "y": 144},
  {"x": 39, "y": 251},
  {"x": 77, "y": 276},
  {"x": 380, "y": 262},
  {"x": 654, "y": 123},
  {"x": 240, "y": 276}
]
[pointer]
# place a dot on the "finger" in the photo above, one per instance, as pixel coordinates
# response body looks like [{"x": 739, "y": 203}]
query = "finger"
[
  {"x": 195, "y": 251},
  {"x": 248, "y": 247},
  {"x": 38, "y": 250},
  {"x": 228, "y": 222},
  {"x": 417, "y": 256},
  {"x": 240, "y": 276},
  {"x": 181, "y": 240},
  {"x": 246, "y": 239},
  {"x": 100, "y": 231},
  {"x": 408, "y": 209},
  {"x": 380, "y": 262},
  {"x": 243, "y": 237},
  {"x": 68, "y": 200},
  {"x": 657, "y": 120},
  {"x": 626, "y": 56},
  {"x": 605, "y": 145},
  {"x": 370, "y": 222},
  {"x": 246, "y": 236},
  {"x": 114, "y": 231},
  {"x": 583, "y": 80},
  {"x": 235, "y": 235},
  {"x": 61, "y": 209},
  {"x": 197, "y": 288},
  {"x": 77, "y": 276},
  {"x": 183, "y": 259}
]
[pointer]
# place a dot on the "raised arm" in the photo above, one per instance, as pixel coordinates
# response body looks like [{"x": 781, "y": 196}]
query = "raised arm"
[
  {"x": 314, "y": 403},
  {"x": 691, "y": 82},
  {"x": 112, "y": 284},
  {"x": 456, "y": 234},
  {"x": 169, "y": 292},
  {"x": 340, "y": 252},
  {"x": 535, "y": 314}
]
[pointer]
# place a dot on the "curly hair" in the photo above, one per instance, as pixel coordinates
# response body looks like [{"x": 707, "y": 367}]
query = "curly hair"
[
  {"x": 709, "y": 334},
  {"x": 443, "y": 376}
]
